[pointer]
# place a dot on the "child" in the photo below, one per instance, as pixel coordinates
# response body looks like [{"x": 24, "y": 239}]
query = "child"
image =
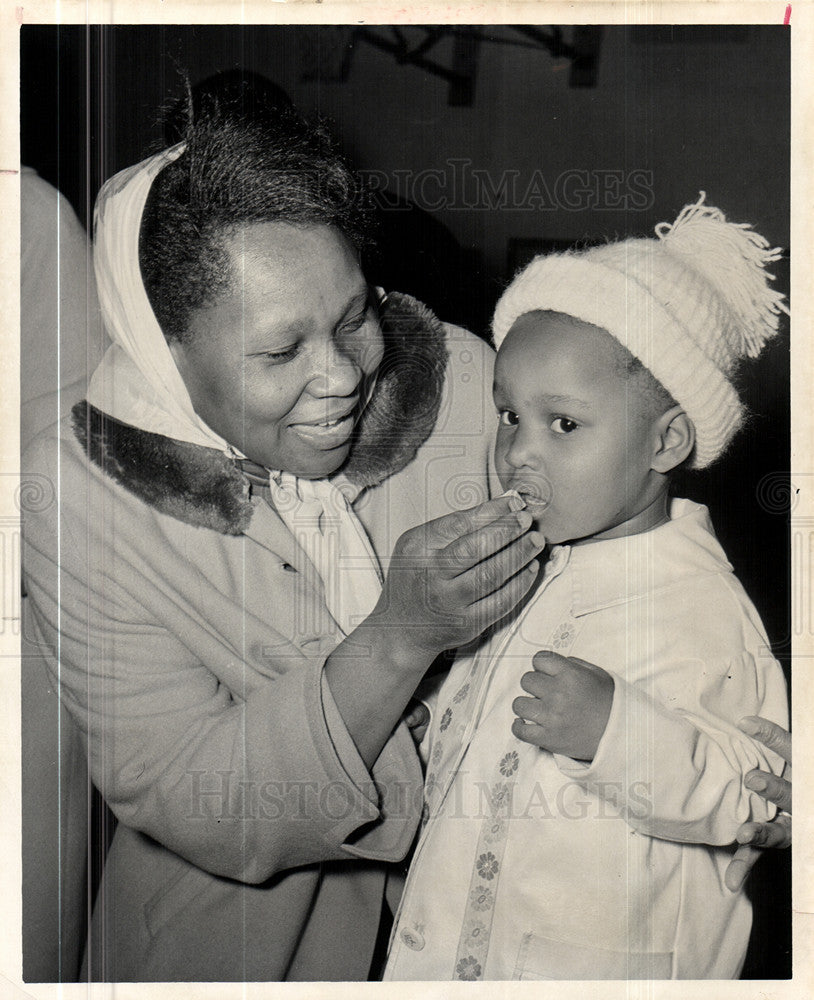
[{"x": 588, "y": 837}]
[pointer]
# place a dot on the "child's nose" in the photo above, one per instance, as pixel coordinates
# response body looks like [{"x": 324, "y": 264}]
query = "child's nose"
[{"x": 523, "y": 452}]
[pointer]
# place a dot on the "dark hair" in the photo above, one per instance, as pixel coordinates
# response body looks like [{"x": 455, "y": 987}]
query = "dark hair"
[
  {"x": 246, "y": 161},
  {"x": 240, "y": 92}
]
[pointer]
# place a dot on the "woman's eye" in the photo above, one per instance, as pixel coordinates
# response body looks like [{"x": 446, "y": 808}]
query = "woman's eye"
[
  {"x": 280, "y": 357},
  {"x": 562, "y": 425},
  {"x": 509, "y": 418},
  {"x": 353, "y": 325}
]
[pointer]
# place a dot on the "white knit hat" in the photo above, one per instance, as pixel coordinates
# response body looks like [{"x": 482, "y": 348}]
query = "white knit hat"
[{"x": 688, "y": 305}]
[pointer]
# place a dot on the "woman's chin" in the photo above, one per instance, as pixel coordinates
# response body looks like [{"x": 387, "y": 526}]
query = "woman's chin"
[{"x": 320, "y": 464}]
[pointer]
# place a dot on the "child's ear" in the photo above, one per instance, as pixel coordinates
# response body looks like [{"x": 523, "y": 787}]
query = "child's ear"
[{"x": 675, "y": 440}]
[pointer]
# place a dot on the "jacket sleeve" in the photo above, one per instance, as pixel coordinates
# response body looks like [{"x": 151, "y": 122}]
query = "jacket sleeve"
[
  {"x": 672, "y": 759},
  {"x": 243, "y": 782}
]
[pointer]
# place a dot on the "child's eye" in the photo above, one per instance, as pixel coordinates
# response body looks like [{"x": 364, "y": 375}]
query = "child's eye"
[
  {"x": 509, "y": 418},
  {"x": 562, "y": 425}
]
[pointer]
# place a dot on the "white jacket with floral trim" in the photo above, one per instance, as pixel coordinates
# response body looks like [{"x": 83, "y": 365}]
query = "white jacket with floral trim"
[{"x": 535, "y": 866}]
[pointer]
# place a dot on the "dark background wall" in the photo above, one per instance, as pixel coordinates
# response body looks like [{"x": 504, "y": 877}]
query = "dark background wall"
[
  {"x": 700, "y": 107},
  {"x": 666, "y": 112}
]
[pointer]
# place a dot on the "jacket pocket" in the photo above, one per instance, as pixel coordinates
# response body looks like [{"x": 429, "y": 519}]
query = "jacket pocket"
[
  {"x": 546, "y": 958},
  {"x": 174, "y": 896}
]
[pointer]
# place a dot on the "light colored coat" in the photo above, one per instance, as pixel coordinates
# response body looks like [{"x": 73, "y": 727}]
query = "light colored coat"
[
  {"x": 535, "y": 866},
  {"x": 186, "y": 636}
]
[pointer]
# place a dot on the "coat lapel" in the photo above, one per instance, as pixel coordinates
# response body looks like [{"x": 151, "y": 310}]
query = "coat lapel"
[{"x": 267, "y": 528}]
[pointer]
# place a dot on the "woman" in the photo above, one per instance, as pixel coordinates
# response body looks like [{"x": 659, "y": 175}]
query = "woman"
[{"x": 221, "y": 633}]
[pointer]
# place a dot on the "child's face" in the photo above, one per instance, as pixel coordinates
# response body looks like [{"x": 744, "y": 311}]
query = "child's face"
[{"x": 575, "y": 438}]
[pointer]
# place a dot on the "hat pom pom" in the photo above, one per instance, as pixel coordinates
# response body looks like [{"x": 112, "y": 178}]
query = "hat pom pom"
[{"x": 732, "y": 258}]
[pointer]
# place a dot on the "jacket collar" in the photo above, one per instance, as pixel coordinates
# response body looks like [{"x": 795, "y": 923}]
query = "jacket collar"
[
  {"x": 619, "y": 570},
  {"x": 206, "y": 488}
]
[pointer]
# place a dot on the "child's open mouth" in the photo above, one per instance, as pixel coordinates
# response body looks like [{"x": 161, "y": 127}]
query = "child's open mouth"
[{"x": 535, "y": 495}]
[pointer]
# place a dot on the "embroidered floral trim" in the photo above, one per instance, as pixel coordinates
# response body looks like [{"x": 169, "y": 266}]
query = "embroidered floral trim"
[
  {"x": 509, "y": 764},
  {"x": 500, "y": 795},
  {"x": 437, "y": 752},
  {"x": 487, "y": 866},
  {"x": 481, "y": 898},
  {"x": 468, "y": 968},
  {"x": 564, "y": 635},
  {"x": 475, "y": 932},
  {"x": 446, "y": 718},
  {"x": 495, "y": 831},
  {"x": 425, "y": 815},
  {"x": 461, "y": 694},
  {"x": 473, "y": 942}
]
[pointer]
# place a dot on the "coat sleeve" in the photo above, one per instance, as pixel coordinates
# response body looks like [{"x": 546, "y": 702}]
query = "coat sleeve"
[
  {"x": 242, "y": 783},
  {"x": 672, "y": 759}
]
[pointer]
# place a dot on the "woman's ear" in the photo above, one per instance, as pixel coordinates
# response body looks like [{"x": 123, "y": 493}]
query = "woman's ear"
[{"x": 675, "y": 440}]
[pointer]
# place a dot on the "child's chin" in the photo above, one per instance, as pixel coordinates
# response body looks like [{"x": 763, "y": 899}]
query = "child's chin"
[
  {"x": 555, "y": 534},
  {"x": 542, "y": 518}
]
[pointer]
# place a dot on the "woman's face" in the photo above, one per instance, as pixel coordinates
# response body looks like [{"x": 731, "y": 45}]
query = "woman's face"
[{"x": 278, "y": 366}]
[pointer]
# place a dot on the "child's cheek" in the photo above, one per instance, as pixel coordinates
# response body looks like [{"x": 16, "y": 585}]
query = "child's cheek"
[{"x": 501, "y": 467}]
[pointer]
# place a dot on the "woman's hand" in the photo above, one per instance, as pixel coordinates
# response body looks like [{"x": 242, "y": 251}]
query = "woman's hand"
[
  {"x": 752, "y": 837},
  {"x": 451, "y": 578},
  {"x": 417, "y": 719},
  {"x": 448, "y": 580}
]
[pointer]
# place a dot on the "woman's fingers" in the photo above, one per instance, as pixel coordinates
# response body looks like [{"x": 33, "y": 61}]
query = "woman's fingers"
[
  {"x": 770, "y": 786},
  {"x": 461, "y": 522},
  {"x": 769, "y": 734},
  {"x": 476, "y": 546},
  {"x": 417, "y": 715},
  {"x": 490, "y": 574},
  {"x": 500, "y": 602},
  {"x": 451, "y": 578}
]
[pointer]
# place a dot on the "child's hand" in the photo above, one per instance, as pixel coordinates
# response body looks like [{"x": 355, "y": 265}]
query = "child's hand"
[
  {"x": 569, "y": 708},
  {"x": 417, "y": 718}
]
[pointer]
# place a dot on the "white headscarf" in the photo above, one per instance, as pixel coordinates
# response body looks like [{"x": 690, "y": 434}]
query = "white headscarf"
[{"x": 138, "y": 383}]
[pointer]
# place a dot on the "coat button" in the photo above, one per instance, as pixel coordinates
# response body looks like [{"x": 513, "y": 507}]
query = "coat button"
[{"x": 412, "y": 939}]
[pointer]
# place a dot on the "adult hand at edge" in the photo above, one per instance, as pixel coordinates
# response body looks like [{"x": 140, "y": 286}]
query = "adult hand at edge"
[{"x": 753, "y": 838}]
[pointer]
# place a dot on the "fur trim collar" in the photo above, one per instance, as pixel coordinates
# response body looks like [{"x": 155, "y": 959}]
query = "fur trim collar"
[{"x": 203, "y": 487}]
